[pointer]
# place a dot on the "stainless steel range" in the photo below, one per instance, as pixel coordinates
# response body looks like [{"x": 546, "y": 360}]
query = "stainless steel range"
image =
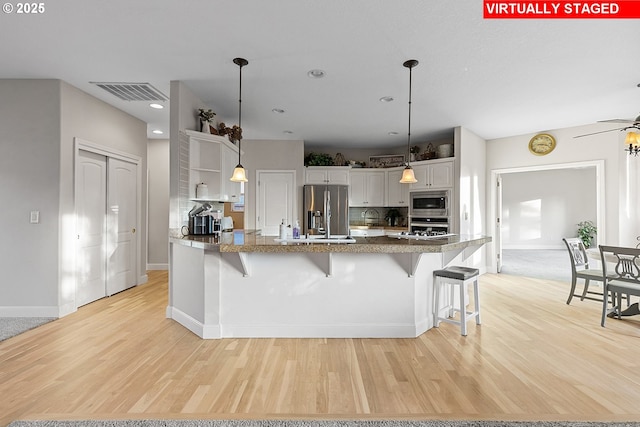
[
  {"x": 421, "y": 235},
  {"x": 429, "y": 225}
]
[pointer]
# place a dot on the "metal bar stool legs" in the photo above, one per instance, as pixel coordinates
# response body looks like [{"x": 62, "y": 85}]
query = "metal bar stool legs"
[{"x": 461, "y": 277}]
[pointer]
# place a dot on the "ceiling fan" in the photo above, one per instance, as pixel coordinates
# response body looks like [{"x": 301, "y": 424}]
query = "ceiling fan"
[{"x": 634, "y": 124}]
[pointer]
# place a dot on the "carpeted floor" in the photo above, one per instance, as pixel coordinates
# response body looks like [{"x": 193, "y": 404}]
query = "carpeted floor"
[
  {"x": 12, "y": 326},
  {"x": 551, "y": 264},
  {"x": 312, "y": 423}
]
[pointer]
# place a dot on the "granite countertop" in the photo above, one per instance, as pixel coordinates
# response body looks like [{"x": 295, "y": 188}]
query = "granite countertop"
[{"x": 251, "y": 241}]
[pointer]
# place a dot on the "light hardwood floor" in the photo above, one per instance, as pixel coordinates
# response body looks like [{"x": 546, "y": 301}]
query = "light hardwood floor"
[{"x": 533, "y": 358}]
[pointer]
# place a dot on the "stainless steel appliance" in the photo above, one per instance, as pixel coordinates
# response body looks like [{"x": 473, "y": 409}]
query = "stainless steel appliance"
[
  {"x": 204, "y": 221},
  {"x": 429, "y": 213},
  {"x": 326, "y": 210},
  {"x": 433, "y": 203},
  {"x": 431, "y": 226}
]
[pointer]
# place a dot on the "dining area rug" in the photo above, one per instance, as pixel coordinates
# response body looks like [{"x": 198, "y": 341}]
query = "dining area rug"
[{"x": 12, "y": 326}]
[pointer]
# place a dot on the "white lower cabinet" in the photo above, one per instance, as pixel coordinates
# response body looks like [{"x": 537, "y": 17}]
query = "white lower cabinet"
[{"x": 367, "y": 188}]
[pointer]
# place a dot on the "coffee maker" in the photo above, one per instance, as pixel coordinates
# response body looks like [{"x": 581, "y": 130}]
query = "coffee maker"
[{"x": 205, "y": 221}]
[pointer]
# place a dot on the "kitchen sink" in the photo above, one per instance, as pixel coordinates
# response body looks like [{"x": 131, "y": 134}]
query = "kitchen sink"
[
  {"x": 319, "y": 239},
  {"x": 367, "y": 232}
]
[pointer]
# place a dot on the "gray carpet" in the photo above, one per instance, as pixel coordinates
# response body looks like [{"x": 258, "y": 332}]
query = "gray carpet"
[
  {"x": 550, "y": 264},
  {"x": 312, "y": 423},
  {"x": 12, "y": 326}
]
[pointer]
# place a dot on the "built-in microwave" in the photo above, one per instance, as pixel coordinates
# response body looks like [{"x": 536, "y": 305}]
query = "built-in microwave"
[{"x": 429, "y": 203}]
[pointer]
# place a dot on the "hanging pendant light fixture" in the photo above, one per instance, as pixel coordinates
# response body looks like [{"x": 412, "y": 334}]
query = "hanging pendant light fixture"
[
  {"x": 408, "y": 177},
  {"x": 239, "y": 174}
]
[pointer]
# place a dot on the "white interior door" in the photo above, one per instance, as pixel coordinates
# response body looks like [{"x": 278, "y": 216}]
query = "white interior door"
[
  {"x": 276, "y": 200},
  {"x": 91, "y": 199},
  {"x": 121, "y": 225}
]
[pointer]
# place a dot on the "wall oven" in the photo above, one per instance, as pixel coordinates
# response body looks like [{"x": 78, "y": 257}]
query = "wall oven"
[{"x": 426, "y": 204}]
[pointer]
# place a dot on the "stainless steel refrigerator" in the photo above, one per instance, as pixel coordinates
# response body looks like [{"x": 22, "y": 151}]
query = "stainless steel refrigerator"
[{"x": 326, "y": 205}]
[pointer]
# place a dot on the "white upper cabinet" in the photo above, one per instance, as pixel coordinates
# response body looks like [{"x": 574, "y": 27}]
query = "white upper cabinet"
[
  {"x": 212, "y": 159},
  {"x": 327, "y": 175},
  {"x": 367, "y": 188},
  {"x": 433, "y": 175},
  {"x": 397, "y": 194}
]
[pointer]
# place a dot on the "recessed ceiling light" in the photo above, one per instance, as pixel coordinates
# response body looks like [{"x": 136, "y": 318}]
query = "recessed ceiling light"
[
  {"x": 157, "y": 131},
  {"x": 277, "y": 111},
  {"x": 386, "y": 99},
  {"x": 288, "y": 132},
  {"x": 156, "y": 106},
  {"x": 316, "y": 74},
  {"x": 393, "y": 132}
]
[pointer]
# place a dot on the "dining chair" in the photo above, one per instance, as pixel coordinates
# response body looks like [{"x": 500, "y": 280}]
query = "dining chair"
[
  {"x": 580, "y": 270},
  {"x": 624, "y": 278}
]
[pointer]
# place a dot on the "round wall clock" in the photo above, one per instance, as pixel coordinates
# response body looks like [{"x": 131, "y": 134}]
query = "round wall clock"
[{"x": 542, "y": 144}]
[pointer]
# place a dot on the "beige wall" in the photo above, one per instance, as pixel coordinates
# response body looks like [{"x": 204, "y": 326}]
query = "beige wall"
[
  {"x": 158, "y": 205},
  {"x": 270, "y": 155},
  {"x": 38, "y": 124},
  {"x": 29, "y": 176}
]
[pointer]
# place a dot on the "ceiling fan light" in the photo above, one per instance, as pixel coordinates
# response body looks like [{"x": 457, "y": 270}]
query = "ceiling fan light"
[
  {"x": 632, "y": 139},
  {"x": 408, "y": 177},
  {"x": 239, "y": 174}
]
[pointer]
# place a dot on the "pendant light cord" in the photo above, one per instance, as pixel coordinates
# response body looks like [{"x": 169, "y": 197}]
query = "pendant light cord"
[
  {"x": 409, "y": 131},
  {"x": 240, "y": 62},
  {"x": 240, "y": 114}
]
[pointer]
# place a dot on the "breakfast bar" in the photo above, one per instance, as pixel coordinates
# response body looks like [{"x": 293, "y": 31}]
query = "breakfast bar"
[{"x": 246, "y": 285}]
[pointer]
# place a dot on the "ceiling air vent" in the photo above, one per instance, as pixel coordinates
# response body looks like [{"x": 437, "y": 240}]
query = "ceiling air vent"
[{"x": 132, "y": 91}]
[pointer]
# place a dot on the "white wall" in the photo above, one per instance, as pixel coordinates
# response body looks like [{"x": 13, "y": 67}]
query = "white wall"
[
  {"x": 541, "y": 207},
  {"x": 29, "y": 177},
  {"x": 183, "y": 116},
  {"x": 158, "y": 204},
  {"x": 620, "y": 172}
]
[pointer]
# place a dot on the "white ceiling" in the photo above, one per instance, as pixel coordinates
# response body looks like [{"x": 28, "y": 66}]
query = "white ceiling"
[{"x": 495, "y": 77}]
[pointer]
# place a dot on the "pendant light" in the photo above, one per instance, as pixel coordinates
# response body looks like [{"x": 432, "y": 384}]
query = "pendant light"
[
  {"x": 408, "y": 177},
  {"x": 632, "y": 140},
  {"x": 239, "y": 174}
]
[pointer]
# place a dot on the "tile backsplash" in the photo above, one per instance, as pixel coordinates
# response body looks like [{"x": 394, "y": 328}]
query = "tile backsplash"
[{"x": 375, "y": 216}]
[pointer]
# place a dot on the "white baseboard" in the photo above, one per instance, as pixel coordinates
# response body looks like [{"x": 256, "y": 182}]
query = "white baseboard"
[
  {"x": 29, "y": 311},
  {"x": 142, "y": 279},
  {"x": 532, "y": 247},
  {"x": 157, "y": 266},
  {"x": 195, "y": 326},
  {"x": 292, "y": 331}
]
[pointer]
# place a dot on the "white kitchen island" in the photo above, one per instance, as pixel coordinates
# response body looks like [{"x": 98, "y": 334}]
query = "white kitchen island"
[{"x": 247, "y": 285}]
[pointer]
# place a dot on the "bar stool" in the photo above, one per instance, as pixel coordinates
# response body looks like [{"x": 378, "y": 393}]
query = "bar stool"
[{"x": 461, "y": 277}]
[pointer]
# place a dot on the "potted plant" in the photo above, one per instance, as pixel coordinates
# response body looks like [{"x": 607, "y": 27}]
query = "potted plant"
[
  {"x": 391, "y": 216},
  {"x": 318, "y": 159},
  {"x": 206, "y": 117},
  {"x": 586, "y": 232}
]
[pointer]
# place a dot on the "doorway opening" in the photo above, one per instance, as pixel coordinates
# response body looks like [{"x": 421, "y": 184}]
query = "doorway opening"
[{"x": 535, "y": 207}]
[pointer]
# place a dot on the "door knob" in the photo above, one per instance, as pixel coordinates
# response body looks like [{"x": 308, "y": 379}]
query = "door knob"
[{"x": 133, "y": 230}]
